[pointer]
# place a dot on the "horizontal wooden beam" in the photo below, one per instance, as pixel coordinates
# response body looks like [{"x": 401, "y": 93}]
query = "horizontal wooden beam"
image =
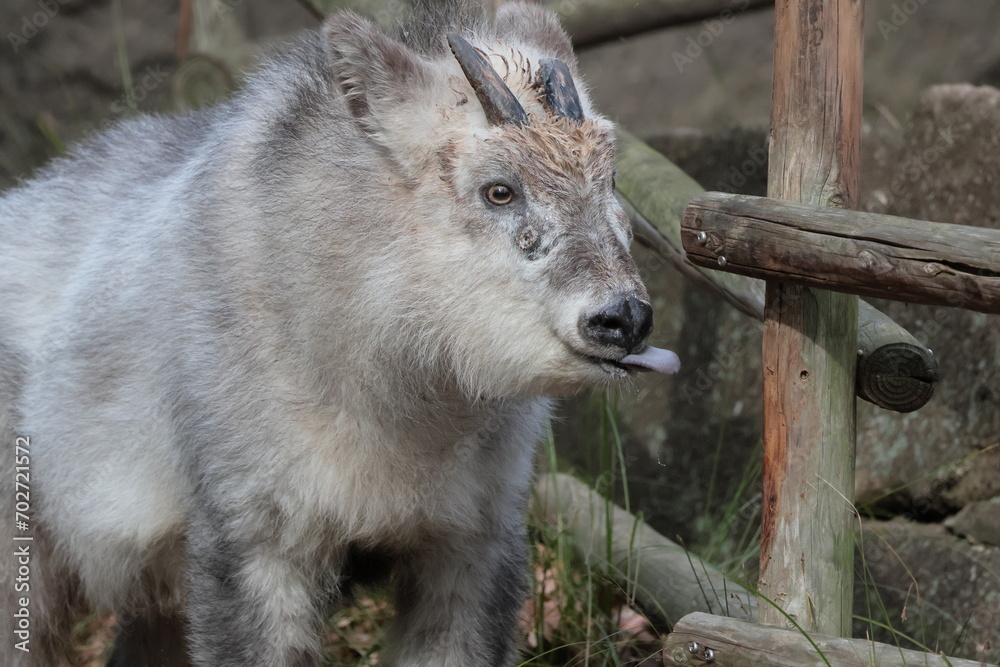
[
  {"x": 588, "y": 22},
  {"x": 869, "y": 254},
  {"x": 591, "y": 22},
  {"x": 703, "y": 639},
  {"x": 895, "y": 371}
]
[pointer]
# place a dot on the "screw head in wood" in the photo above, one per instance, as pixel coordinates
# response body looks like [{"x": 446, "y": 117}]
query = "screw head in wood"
[
  {"x": 693, "y": 647},
  {"x": 708, "y": 655},
  {"x": 722, "y": 261},
  {"x": 702, "y": 238}
]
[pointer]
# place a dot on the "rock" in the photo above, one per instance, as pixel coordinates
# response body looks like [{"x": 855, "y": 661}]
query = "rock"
[
  {"x": 731, "y": 160},
  {"x": 929, "y": 585},
  {"x": 943, "y": 168},
  {"x": 979, "y": 521},
  {"x": 947, "y": 169},
  {"x": 61, "y": 67},
  {"x": 981, "y": 479},
  {"x": 648, "y": 84}
]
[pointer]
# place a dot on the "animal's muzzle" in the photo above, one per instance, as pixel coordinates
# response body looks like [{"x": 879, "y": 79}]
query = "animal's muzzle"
[{"x": 624, "y": 322}]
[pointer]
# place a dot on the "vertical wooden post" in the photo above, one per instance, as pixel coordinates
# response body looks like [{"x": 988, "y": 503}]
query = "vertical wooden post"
[{"x": 810, "y": 336}]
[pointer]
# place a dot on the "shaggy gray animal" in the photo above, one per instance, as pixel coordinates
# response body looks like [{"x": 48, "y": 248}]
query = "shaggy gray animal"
[{"x": 253, "y": 357}]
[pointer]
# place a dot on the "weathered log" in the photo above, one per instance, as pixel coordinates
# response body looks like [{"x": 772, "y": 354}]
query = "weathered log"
[
  {"x": 894, "y": 369},
  {"x": 667, "y": 581},
  {"x": 811, "y": 336},
  {"x": 655, "y": 193},
  {"x": 591, "y": 22},
  {"x": 701, "y": 639},
  {"x": 588, "y": 22},
  {"x": 871, "y": 254}
]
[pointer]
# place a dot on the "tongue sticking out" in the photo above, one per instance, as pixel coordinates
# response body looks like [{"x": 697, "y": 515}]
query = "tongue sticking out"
[{"x": 653, "y": 359}]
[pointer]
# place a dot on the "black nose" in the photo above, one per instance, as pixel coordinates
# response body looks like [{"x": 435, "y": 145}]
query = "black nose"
[{"x": 624, "y": 322}]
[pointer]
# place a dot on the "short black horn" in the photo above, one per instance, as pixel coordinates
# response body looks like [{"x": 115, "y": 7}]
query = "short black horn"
[
  {"x": 498, "y": 102},
  {"x": 561, "y": 97}
]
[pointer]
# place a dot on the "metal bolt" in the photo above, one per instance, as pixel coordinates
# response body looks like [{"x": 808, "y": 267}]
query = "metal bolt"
[
  {"x": 702, "y": 238},
  {"x": 693, "y": 647},
  {"x": 722, "y": 260},
  {"x": 708, "y": 655}
]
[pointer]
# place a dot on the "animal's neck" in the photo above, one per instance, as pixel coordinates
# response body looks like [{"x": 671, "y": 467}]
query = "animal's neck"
[{"x": 435, "y": 409}]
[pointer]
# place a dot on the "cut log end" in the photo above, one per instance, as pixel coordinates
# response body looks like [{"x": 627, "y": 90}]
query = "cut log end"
[{"x": 897, "y": 376}]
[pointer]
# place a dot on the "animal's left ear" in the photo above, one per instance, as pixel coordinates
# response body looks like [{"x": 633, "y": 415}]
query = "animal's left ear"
[
  {"x": 520, "y": 22},
  {"x": 378, "y": 76}
]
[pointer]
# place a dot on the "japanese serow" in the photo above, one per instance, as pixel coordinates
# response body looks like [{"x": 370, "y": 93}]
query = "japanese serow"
[{"x": 307, "y": 340}]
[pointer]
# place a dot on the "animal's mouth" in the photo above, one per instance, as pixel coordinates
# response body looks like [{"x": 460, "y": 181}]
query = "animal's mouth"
[
  {"x": 650, "y": 360},
  {"x": 611, "y": 367}
]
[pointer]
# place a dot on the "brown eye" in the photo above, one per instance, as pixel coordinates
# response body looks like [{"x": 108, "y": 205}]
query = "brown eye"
[{"x": 499, "y": 194}]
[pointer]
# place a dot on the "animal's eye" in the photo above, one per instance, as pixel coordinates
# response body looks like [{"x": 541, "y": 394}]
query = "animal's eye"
[{"x": 499, "y": 194}]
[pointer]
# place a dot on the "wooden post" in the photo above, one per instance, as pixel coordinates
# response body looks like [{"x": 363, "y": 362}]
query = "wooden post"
[
  {"x": 810, "y": 336},
  {"x": 591, "y": 22},
  {"x": 655, "y": 193}
]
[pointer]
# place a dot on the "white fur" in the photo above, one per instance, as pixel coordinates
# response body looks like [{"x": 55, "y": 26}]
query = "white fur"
[{"x": 284, "y": 342}]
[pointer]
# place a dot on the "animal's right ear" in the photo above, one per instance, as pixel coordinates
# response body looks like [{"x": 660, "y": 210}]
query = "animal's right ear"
[{"x": 376, "y": 73}]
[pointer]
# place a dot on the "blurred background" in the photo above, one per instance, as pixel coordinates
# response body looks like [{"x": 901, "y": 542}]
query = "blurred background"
[{"x": 686, "y": 447}]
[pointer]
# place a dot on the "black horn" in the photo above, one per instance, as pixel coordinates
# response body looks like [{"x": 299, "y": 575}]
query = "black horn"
[
  {"x": 498, "y": 102},
  {"x": 561, "y": 97}
]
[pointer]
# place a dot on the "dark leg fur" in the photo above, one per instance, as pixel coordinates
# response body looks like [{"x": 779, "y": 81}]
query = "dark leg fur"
[
  {"x": 150, "y": 642},
  {"x": 457, "y": 603},
  {"x": 249, "y": 605}
]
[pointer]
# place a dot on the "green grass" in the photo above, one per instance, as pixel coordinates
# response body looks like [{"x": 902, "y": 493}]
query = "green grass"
[
  {"x": 726, "y": 534},
  {"x": 578, "y": 614}
]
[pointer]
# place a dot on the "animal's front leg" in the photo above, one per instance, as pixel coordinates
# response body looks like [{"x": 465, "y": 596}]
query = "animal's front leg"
[
  {"x": 458, "y": 602},
  {"x": 247, "y": 604}
]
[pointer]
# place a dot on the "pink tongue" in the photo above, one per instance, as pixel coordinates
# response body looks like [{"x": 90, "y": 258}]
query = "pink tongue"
[{"x": 653, "y": 359}]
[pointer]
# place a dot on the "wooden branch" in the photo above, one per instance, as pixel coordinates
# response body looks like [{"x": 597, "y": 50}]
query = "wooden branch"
[
  {"x": 702, "y": 639},
  {"x": 894, "y": 371},
  {"x": 666, "y": 580},
  {"x": 810, "y": 337},
  {"x": 591, "y": 22},
  {"x": 876, "y": 255}
]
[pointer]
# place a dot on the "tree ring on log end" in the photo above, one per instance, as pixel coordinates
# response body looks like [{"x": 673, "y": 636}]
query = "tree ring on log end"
[{"x": 897, "y": 376}]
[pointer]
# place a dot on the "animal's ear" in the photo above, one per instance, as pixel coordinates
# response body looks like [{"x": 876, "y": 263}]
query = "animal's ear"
[
  {"x": 376, "y": 73},
  {"x": 530, "y": 23}
]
